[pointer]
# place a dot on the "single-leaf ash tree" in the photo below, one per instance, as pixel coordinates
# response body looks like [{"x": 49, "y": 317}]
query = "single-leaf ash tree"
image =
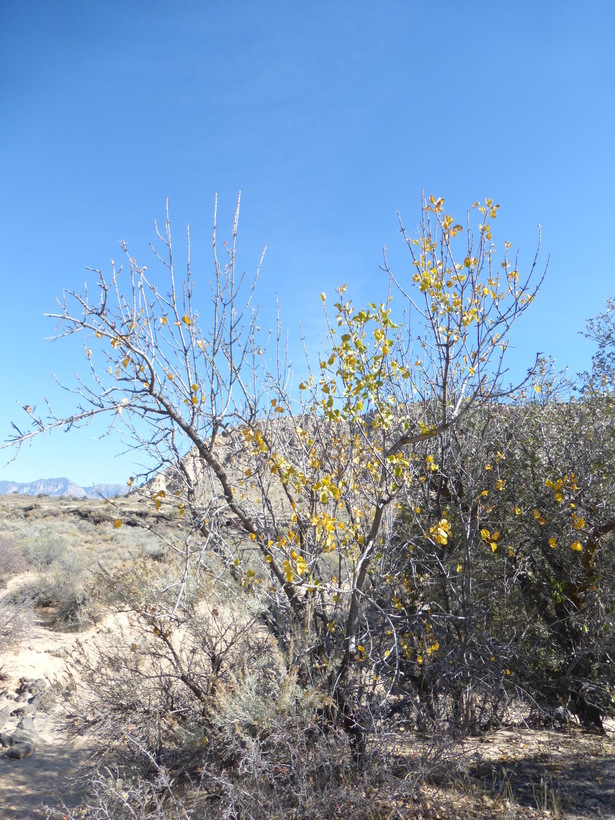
[{"x": 296, "y": 491}]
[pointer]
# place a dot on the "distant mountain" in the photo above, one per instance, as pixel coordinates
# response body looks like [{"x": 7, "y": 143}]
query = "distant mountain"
[
  {"x": 107, "y": 490},
  {"x": 60, "y": 487}
]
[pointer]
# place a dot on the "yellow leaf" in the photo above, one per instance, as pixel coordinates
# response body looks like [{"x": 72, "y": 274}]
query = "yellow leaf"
[
  {"x": 576, "y": 546},
  {"x": 553, "y": 542},
  {"x": 578, "y": 522},
  {"x": 187, "y": 320},
  {"x": 117, "y": 523}
]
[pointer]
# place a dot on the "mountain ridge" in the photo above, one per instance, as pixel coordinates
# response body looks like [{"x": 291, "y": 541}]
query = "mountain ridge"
[{"x": 62, "y": 487}]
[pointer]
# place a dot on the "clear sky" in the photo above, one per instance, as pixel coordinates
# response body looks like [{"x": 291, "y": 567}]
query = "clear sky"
[{"x": 330, "y": 117}]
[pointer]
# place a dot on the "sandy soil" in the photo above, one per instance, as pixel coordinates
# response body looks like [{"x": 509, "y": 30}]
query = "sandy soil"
[{"x": 46, "y": 777}]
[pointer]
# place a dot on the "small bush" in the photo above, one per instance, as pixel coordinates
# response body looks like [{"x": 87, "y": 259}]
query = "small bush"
[
  {"x": 14, "y": 620},
  {"x": 63, "y": 594},
  {"x": 42, "y": 552},
  {"x": 196, "y": 709},
  {"x": 12, "y": 559}
]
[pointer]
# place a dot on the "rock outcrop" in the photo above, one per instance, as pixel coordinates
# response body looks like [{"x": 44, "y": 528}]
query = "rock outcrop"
[{"x": 17, "y": 719}]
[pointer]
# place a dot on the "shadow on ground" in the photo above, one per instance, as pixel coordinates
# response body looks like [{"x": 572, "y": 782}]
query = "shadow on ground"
[
  {"x": 574, "y": 784},
  {"x": 44, "y": 779}
]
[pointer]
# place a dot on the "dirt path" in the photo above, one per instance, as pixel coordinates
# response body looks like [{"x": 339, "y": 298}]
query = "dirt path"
[
  {"x": 27, "y": 708},
  {"x": 42, "y": 780}
]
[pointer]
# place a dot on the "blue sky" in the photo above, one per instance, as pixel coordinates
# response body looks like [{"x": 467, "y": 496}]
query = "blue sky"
[{"x": 330, "y": 117}]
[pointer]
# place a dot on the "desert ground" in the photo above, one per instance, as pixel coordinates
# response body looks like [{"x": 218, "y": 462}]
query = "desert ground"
[{"x": 48, "y": 549}]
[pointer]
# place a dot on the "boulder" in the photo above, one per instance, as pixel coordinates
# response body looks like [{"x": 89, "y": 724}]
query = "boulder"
[
  {"x": 5, "y": 714},
  {"x": 16, "y": 736},
  {"x": 20, "y": 750}
]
